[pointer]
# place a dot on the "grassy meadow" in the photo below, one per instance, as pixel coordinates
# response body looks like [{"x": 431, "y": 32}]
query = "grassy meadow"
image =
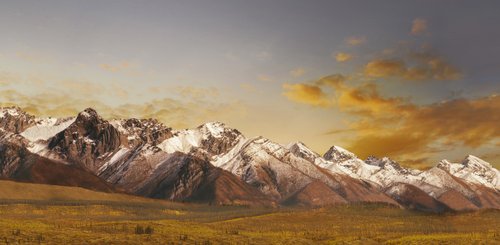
[{"x": 113, "y": 220}]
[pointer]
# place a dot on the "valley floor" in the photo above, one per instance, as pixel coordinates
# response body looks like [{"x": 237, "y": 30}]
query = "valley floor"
[{"x": 88, "y": 222}]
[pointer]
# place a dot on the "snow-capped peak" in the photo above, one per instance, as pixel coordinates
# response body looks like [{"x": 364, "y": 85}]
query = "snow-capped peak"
[
  {"x": 338, "y": 154},
  {"x": 476, "y": 162},
  {"x": 301, "y": 150},
  {"x": 12, "y": 111},
  {"x": 216, "y": 129},
  {"x": 474, "y": 170},
  {"x": 213, "y": 137}
]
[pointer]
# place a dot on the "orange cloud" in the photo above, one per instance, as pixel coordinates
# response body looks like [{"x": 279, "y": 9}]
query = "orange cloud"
[
  {"x": 366, "y": 100},
  {"x": 335, "y": 81},
  {"x": 391, "y": 144},
  {"x": 306, "y": 94},
  {"x": 419, "y": 26},
  {"x": 343, "y": 57},
  {"x": 355, "y": 41},
  {"x": 430, "y": 128},
  {"x": 426, "y": 67},
  {"x": 394, "y": 126},
  {"x": 385, "y": 68}
]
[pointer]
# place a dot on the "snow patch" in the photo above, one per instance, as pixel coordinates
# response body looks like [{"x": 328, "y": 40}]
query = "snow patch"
[
  {"x": 216, "y": 129},
  {"x": 182, "y": 141},
  {"x": 46, "y": 128},
  {"x": 116, "y": 157}
]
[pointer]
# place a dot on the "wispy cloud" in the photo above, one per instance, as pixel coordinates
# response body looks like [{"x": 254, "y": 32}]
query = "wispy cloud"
[
  {"x": 265, "y": 78},
  {"x": 355, "y": 41},
  {"x": 419, "y": 27},
  {"x": 298, "y": 72},
  {"x": 124, "y": 65},
  {"x": 342, "y": 57}
]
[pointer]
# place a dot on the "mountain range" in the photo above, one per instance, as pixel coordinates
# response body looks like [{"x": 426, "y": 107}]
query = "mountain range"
[{"x": 218, "y": 165}]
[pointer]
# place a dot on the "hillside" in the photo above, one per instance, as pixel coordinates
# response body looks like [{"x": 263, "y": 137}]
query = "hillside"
[{"x": 10, "y": 190}]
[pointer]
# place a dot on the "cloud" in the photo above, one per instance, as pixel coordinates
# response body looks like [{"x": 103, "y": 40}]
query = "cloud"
[
  {"x": 314, "y": 93},
  {"x": 367, "y": 101},
  {"x": 298, "y": 72},
  {"x": 343, "y": 57},
  {"x": 355, "y": 41},
  {"x": 306, "y": 94},
  {"x": 385, "y": 68},
  {"x": 394, "y": 126},
  {"x": 175, "y": 113},
  {"x": 391, "y": 144},
  {"x": 265, "y": 78},
  {"x": 198, "y": 93},
  {"x": 419, "y": 26},
  {"x": 124, "y": 65},
  {"x": 335, "y": 81},
  {"x": 424, "y": 67},
  {"x": 435, "y": 127},
  {"x": 363, "y": 99}
]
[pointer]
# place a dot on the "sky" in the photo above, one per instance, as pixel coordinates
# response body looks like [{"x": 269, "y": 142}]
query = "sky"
[{"x": 417, "y": 81}]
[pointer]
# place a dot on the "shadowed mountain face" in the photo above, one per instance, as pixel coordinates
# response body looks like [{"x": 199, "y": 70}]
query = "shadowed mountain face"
[
  {"x": 216, "y": 164},
  {"x": 86, "y": 139},
  {"x": 188, "y": 178},
  {"x": 413, "y": 198},
  {"x": 17, "y": 163},
  {"x": 315, "y": 194}
]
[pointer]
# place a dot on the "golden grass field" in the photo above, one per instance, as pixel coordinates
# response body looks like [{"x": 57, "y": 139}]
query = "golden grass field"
[{"x": 72, "y": 218}]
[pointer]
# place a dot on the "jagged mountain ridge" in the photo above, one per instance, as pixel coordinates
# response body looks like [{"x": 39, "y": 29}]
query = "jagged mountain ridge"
[{"x": 144, "y": 157}]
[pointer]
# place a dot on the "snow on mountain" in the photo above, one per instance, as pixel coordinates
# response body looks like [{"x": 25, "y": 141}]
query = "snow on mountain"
[
  {"x": 338, "y": 154},
  {"x": 46, "y": 128},
  {"x": 386, "y": 173},
  {"x": 119, "y": 155},
  {"x": 436, "y": 182},
  {"x": 212, "y": 137},
  {"x": 15, "y": 120},
  {"x": 301, "y": 150},
  {"x": 11, "y": 111},
  {"x": 473, "y": 170},
  {"x": 278, "y": 172},
  {"x": 130, "y": 153},
  {"x": 182, "y": 141},
  {"x": 260, "y": 162}
]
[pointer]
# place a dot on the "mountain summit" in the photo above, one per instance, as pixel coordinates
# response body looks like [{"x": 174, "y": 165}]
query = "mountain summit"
[{"x": 216, "y": 164}]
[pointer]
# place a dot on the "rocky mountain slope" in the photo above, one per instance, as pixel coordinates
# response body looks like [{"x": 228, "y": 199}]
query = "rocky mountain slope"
[{"x": 217, "y": 164}]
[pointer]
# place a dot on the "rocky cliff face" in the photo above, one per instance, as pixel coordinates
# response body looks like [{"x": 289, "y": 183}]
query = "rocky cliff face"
[
  {"x": 15, "y": 120},
  {"x": 142, "y": 131},
  {"x": 86, "y": 140}
]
